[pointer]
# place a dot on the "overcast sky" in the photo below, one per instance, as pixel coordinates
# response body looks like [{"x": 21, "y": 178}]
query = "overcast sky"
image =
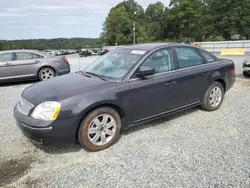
[{"x": 26, "y": 19}]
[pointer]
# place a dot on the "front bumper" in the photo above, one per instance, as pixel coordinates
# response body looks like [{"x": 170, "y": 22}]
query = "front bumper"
[
  {"x": 246, "y": 66},
  {"x": 246, "y": 69},
  {"x": 46, "y": 132}
]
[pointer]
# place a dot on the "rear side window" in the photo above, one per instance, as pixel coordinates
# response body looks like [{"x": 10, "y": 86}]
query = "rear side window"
[
  {"x": 23, "y": 56},
  {"x": 5, "y": 57},
  {"x": 208, "y": 57},
  {"x": 26, "y": 56},
  {"x": 188, "y": 57}
]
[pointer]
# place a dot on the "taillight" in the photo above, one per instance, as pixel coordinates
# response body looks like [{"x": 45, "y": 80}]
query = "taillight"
[
  {"x": 64, "y": 59},
  {"x": 233, "y": 71}
]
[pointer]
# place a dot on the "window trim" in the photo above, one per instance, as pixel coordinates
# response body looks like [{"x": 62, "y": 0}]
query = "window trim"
[
  {"x": 195, "y": 49},
  {"x": 145, "y": 58}
]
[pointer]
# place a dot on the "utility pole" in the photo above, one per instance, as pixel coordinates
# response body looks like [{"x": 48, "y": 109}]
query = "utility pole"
[
  {"x": 134, "y": 31},
  {"x": 134, "y": 28},
  {"x": 131, "y": 7}
]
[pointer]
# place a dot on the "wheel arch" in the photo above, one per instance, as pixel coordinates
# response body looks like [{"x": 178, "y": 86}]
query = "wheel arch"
[{"x": 223, "y": 83}]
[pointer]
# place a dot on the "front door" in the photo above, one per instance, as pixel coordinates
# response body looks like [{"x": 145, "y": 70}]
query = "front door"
[
  {"x": 6, "y": 67},
  {"x": 25, "y": 65},
  {"x": 157, "y": 93}
]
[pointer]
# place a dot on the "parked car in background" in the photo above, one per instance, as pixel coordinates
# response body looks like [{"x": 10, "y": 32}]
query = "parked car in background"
[
  {"x": 85, "y": 53},
  {"x": 246, "y": 68},
  {"x": 18, "y": 65},
  {"x": 126, "y": 87},
  {"x": 94, "y": 52},
  {"x": 103, "y": 52}
]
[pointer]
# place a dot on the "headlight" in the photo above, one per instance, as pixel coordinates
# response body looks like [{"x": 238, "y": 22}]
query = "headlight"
[
  {"x": 47, "y": 111},
  {"x": 247, "y": 62}
]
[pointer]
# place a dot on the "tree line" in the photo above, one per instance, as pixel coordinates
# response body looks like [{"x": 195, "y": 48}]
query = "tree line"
[
  {"x": 58, "y": 43},
  {"x": 201, "y": 20}
]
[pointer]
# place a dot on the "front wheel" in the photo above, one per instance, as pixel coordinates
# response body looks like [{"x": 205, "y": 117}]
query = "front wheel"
[
  {"x": 213, "y": 97},
  {"x": 100, "y": 129}
]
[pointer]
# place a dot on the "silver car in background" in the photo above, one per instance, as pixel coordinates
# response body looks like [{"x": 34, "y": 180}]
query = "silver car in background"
[{"x": 16, "y": 65}]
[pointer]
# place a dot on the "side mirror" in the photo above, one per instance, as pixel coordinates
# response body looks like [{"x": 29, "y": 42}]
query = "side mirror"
[{"x": 145, "y": 71}]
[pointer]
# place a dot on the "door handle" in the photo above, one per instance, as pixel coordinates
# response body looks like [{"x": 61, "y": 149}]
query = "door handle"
[
  {"x": 37, "y": 61},
  {"x": 8, "y": 63},
  {"x": 170, "y": 84}
]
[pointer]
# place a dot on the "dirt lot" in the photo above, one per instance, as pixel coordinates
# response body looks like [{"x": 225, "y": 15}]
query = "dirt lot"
[{"x": 189, "y": 149}]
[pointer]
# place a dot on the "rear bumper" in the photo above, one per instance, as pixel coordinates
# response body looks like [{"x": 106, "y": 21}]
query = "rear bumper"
[
  {"x": 46, "y": 132},
  {"x": 230, "y": 83},
  {"x": 64, "y": 71}
]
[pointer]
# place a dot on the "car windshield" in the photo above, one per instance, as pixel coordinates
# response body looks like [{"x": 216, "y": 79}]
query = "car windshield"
[{"x": 115, "y": 64}]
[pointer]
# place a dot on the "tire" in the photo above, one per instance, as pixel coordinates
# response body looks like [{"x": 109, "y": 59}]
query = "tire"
[
  {"x": 46, "y": 73},
  {"x": 94, "y": 137},
  {"x": 246, "y": 74},
  {"x": 215, "y": 90}
]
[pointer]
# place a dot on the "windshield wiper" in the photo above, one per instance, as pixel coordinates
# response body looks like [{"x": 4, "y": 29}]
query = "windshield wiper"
[
  {"x": 84, "y": 73},
  {"x": 97, "y": 75}
]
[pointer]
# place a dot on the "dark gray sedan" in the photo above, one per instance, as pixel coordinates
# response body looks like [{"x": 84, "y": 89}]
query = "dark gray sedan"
[
  {"x": 30, "y": 65},
  {"x": 125, "y": 87}
]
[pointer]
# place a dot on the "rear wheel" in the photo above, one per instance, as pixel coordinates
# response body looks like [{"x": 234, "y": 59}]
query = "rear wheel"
[
  {"x": 246, "y": 74},
  {"x": 213, "y": 97},
  {"x": 46, "y": 73},
  {"x": 100, "y": 129}
]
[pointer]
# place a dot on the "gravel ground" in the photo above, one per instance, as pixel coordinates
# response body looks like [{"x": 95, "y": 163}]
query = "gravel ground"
[{"x": 189, "y": 149}]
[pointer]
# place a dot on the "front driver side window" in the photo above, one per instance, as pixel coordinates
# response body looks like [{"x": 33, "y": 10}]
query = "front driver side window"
[{"x": 161, "y": 60}]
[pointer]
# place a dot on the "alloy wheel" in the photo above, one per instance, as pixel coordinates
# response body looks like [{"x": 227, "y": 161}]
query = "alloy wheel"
[
  {"x": 102, "y": 129},
  {"x": 47, "y": 74},
  {"x": 215, "y": 97}
]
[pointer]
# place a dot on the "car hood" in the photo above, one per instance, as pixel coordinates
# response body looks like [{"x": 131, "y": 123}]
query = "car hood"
[{"x": 64, "y": 87}]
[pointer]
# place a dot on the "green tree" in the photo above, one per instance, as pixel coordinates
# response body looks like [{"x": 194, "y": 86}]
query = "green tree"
[
  {"x": 118, "y": 26},
  {"x": 154, "y": 17},
  {"x": 229, "y": 17},
  {"x": 59, "y": 43},
  {"x": 188, "y": 16}
]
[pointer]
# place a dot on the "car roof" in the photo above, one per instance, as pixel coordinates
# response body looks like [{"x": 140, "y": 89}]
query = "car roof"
[
  {"x": 152, "y": 46},
  {"x": 19, "y": 50},
  {"x": 27, "y": 50}
]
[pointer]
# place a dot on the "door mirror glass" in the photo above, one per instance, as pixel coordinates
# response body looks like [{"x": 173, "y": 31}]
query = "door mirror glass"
[{"x": 145, "y": 71}]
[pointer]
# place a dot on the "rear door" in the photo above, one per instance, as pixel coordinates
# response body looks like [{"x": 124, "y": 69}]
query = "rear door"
[
  {"x": 26, "y": 64},
  {"x": 6, "y": 66},
  {"x": 191, "y": 75}
]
